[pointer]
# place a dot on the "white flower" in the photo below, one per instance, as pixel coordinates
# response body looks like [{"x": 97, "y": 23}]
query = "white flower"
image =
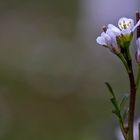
[
  {"x": 125, "y": 23},
  {"x": 126, "y": 26},
  {"x": 136, "y": 131},
  {"x": 138, "y": 50},
  {"x": 108, "y": 39},
  {"x": 115, "y": 37}
]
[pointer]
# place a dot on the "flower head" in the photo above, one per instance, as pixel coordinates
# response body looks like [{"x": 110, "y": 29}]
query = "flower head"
[
  {"x": 127, "y": 28},
  {"x": 125, "y": 23},
  {"x": 108, "y": 39},
  {"x": 115, "y": 38}
]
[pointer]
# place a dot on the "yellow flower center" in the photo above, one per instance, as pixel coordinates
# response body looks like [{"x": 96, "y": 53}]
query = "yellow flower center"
[{"x": 125, "y": 24}]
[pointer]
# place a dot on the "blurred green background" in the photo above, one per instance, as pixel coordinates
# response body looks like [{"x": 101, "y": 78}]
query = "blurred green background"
[{"x": 52, "y": 72}]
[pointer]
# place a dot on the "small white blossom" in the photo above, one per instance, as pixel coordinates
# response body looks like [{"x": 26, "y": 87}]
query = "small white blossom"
[
  {"x": 108, "y": 39},
  {"x": 138, "y": 50},
  {"x": 115, "y": 37},
  {"x": 126, "y": 26},
  {"x": 125, "y": 23}
]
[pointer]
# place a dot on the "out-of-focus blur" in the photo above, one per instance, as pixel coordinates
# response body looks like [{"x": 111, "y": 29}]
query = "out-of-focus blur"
[{"x": 52, "y": 72}]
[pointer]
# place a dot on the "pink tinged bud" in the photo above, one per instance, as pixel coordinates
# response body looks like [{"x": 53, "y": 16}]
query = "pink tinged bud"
[
  {"x": 138, "y": 50},
  {"x": 138, "y": 57}
]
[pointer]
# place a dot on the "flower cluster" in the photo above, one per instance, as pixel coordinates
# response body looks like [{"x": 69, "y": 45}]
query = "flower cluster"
[
  {"x": 118, "y": 38},
  {"x": 118, "y": 41}
]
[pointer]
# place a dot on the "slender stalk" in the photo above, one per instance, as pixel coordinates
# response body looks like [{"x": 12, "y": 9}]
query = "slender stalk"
[
  {"x": 138, "y": 28},
  {"x": 138, "y": 35},
  {"x": 123, "y": 129},
  {"x": 131, "y": 102},
  {"x": 138, "y": 76},
  {"x": 124, "y": 62}
]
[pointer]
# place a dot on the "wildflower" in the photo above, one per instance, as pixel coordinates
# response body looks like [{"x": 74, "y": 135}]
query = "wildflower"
[
  {"x": 108, "y": 39},
  {"x": 116, "y": 38},
  {"x": 138, "y": 50},
  {"x": 127, "y": 28}
]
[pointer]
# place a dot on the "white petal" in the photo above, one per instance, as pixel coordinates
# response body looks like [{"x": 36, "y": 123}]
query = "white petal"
[
  {"x": 111, "y": 33},
  {"x": 138, "y": 24},
  {"x": 107, "y": 38},
  {"x": 103, "y": 34},
  {"x": 125, "y": 23},
  {"x": 112, "y": 36},
  {"x": 126, "y": 31},
  {"x": 115, "y": 30},
  {"x": 101, "y": 41}
]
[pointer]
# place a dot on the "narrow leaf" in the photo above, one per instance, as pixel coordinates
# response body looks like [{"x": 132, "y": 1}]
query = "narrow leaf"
[
  {"x": 117, "y": 113},
  {"x": 114, "y": 102},
  {"x": 110, "y": 89},
  {"x": 123, "y": 102},
  {"x": 124, "y": 114}
]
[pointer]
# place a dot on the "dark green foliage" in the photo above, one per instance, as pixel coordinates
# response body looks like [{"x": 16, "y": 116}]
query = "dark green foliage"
[{"x": 119, "y": 108}]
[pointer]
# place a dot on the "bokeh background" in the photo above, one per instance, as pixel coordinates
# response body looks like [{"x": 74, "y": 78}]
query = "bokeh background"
[{"x": 52, "y": 72}]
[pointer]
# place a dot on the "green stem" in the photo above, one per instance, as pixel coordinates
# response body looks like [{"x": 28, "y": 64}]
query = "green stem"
[
  {"x": 124, "y": 62},
  {"x": 123, "y": 130},
  {"x": 126, "y": 59},
  {"x": 131, "y": 102}
]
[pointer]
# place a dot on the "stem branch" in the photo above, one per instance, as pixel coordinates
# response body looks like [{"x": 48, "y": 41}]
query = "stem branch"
[{"x": 131, "y": 101}]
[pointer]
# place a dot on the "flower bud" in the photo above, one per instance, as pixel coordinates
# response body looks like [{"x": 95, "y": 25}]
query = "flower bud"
[{"x": 138, "y": 50}]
